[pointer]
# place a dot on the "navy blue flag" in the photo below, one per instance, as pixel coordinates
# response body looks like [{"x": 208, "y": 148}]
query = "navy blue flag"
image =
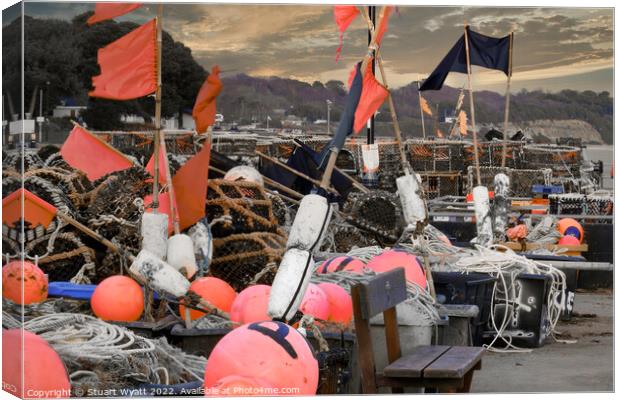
[
  {"x": 347, "y": 119},
  {"x": 484, "y": 51},
  {"x": 306, "y": 161}
]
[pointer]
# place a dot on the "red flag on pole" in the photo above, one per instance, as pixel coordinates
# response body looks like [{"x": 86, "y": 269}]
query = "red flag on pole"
[
  {"x": 343, "y": 15},
  {"x": 128, "y": 66},
  {"x": 84, "y": 151},
  {"x": 150, "y": 167},
  {"x": 190, "y": 187},
  {"x": 204, "y": 108},
  {"x": 372, "y": 97},
  {"x": 104, "y": 11},
  {"x": 384, "y": 24}
]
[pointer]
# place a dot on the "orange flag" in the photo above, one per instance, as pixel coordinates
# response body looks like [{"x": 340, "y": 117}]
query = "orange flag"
[
  {"x": 463, "y": 123},
  {"x": 128, "y": 66},
  {"x": 150, "y": 167},
  {"x": 204, "y": 108},
  {"x": 36, "y": 210},
  {"x": 439, "y": 134},
  {"x": 190, "y": 187},
  {"x": 425, "y": 107},
  {"x": 372, "y": 97},
  {"x": 384, "y": 24},
  {"x": 84, "y": 151},
  {"x": 104, "y": 11},
  {"x": 343, "y": 15}
]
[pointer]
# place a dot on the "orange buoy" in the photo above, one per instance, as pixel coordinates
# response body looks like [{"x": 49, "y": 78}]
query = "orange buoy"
[
  {"x": 568, "y": 240},
  {"x": 45, "y": 375},
  {"x": 342, "y": 263},
  {"x": 340, "y": 303},
  {"x": 315, "y": 303},
  {"x": 569, "y": 226},
  {"x": 390, "y": 259},
  {"x": 237, "y": 385},
  {"x": 216, "y": 291},
  {"x": 269, "y": 351},
  {"x": 251, "y": 305},
  {"x": 34, "y": 283},
  {"x": 118, "y": 298}
]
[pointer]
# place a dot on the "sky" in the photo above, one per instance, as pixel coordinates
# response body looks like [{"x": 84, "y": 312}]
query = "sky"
[{"x": 554, "y": 48}]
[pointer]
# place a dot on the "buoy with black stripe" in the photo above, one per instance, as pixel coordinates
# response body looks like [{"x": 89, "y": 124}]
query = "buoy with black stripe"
[{"x": 297, "y": 265}]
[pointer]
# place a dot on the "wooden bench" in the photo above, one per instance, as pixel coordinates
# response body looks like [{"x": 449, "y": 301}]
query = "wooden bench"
[{"x": 445, "y": 368}]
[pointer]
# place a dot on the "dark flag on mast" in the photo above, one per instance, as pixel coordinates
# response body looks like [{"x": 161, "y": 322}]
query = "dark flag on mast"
[{"x": 484, "y": 51}]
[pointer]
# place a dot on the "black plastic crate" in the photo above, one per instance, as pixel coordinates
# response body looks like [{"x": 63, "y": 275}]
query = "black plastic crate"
[
  {"x": 528, "y": 323},
  {"x": 474, "y": 289}
]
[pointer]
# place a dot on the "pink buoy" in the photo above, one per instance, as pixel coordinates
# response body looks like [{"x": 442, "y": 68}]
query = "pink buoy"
[
  {"x": 33, "y": 279},
  {"x": 237, "y": 385},
  {"x": 251, "y": 305},
  {"x": 340, "y": 303},
  {"x": 390, "y": 259},
  {"x": 268, "y": 351},
  {"x": 569, "y": 240},
  {"x": 315, "y": 303},
  {"x": 45, "y": 375},
  {"x": 342, "y": 263}
]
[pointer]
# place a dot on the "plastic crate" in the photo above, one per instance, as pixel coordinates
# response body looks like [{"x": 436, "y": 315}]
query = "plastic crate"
[{"x": 474, "y": 289}]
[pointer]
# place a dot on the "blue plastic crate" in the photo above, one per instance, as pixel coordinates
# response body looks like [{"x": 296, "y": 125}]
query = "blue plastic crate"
[{"x": 547, "y": 189}]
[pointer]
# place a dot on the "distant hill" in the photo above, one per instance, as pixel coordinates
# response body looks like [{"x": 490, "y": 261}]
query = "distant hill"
[{"x": 245, "y": 97}]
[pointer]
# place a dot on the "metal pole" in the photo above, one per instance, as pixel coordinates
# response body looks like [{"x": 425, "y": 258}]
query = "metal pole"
[
  {"x": 370, "y": 129},
  {"x": 329, "y": 108},
  {"x": 41, "y": 115},
  {"x": 471, "y": 109},
  {"x": 507, "y": 105},
  {"x": 157, "y": 139},
  {"x": 421, "y": 111}
]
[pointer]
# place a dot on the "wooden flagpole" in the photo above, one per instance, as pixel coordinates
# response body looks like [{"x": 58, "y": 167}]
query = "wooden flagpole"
[
  {"x": 471, "y": 109},
  {"x": 507, "y": 106},
  {"x": 421, "y": 111},
  {"x": 156, "y": 140},
  {"x": 397, "y": 132},
  {"x": 331, "y": 162}
]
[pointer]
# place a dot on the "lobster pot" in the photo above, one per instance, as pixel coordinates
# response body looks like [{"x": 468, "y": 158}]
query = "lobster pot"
[
  {"x": 245, "y": 202},
  {"x": 600, "y": 205},
  {"x": 439, "y": 184},
  {"x": 436, "y": 155},
  {"x": 563, "y": 160},
  {"x": 521, "y": 180},
  {"x": 346, "y": 237},
  {"x": 238, "y": 146},
  {"x": 491, "y": 154},
  {"x": 238, "y": 259},
  {"x": 378, "y": 212},
  {"x": 567, "y": 204}
]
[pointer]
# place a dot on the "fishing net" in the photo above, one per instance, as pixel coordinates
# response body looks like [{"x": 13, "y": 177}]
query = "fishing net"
[
  {"x": 245, "y": 203},
  {"x": 567, "y": 204},
  {"x": 378, "y": 212},
  {"x": 103, "y": 356},
  {"x": 281, "y": 211},
  {"x": 239, "y": 259},
  {"x": 13, "y": 161},
  {"x": 599, "y": 204}
]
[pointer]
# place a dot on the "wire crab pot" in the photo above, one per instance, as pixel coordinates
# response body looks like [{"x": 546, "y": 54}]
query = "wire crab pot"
[{"x": 436, "y": 155}]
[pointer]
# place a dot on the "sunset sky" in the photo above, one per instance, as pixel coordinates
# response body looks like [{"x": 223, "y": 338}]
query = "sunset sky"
[{"x": 554, "y": 48}]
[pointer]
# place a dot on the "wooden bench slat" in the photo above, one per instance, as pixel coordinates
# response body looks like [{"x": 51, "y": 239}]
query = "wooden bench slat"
[
  {"x": 412, "y": 365},
  {"x": 454, "y": 363}
]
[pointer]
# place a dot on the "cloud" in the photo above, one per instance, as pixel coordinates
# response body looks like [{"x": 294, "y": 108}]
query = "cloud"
[{"x": 300, "y": 40}]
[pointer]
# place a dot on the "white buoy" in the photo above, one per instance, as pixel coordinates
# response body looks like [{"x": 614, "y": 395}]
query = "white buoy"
[
  {"x": 150, "y": 270},
  {"x": 410, "y": 193},
  {"x": 154, "y": 230},
  {"x": 203, "y": 244},
  {"x": 246, "y": 173},
  {"x": 310, "y": 224},
  {"x": 482, "y": 209},
  {"x": 501, "y": 184},
  {"x": 181, "y": 254},
  {"x": 290, "y": 284}
]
